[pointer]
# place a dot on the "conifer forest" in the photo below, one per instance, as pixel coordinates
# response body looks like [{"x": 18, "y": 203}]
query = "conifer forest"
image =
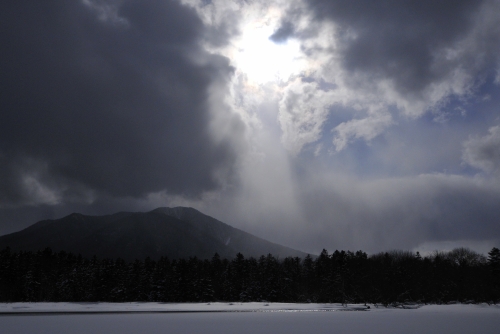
[{"x": 386, "y": 278}]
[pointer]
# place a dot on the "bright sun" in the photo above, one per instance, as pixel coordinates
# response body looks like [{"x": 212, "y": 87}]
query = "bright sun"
[{"x": 261, "y": 59}]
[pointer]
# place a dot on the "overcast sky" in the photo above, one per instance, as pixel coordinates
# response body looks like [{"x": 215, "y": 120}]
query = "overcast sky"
[{"x": 336, "y": 124}]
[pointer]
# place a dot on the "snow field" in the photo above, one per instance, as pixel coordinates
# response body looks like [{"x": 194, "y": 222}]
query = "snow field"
[{"x": 244, "y": 318}]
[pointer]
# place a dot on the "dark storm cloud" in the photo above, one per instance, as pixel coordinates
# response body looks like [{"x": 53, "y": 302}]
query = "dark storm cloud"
[
  {"x": 106, "y": 97},
  {"x": 399, "y": 40}
]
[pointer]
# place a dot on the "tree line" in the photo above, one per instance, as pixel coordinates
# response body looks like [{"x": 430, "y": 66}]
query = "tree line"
[{"x": 460, "y": 275}]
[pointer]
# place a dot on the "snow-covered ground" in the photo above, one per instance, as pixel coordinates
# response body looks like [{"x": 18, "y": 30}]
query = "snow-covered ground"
[
  {"x": 26, "y": 308},
  {"x": 243, "y": 318}
]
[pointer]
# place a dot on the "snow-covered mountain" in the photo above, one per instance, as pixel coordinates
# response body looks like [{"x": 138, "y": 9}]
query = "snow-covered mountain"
[{"x": 174, "y": 232}]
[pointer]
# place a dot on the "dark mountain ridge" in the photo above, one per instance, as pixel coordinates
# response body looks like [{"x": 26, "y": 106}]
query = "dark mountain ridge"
[{"x": 178, "y": 232}]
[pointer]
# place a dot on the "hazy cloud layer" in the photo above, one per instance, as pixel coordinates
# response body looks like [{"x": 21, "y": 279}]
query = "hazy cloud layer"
[{"x": 401, "y": 212}]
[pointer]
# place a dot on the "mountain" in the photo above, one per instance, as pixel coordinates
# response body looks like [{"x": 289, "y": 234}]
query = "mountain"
[{"x": 174, "y": 232}]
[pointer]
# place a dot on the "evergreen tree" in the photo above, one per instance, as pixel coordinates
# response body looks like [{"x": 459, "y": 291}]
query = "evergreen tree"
[
  {"x": 494, "y": 260},
  {"x": 342, "y": 277}
]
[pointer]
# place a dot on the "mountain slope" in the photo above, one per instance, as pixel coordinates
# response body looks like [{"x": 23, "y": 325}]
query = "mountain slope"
[{"x": 174, "y": 232}]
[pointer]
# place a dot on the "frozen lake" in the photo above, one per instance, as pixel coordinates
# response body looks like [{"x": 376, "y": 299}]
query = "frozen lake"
[{"x": 247, "y": 318}]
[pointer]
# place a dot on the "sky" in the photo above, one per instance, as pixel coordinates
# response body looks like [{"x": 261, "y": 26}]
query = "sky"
[{"x": 311, "y": 123}]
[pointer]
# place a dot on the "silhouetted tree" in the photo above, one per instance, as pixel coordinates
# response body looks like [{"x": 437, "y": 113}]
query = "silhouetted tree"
[{"x": 390, "y": 277}]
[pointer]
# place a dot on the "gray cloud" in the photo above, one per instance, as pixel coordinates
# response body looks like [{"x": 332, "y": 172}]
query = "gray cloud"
[
  {"x": 400, "y": 40},
  {"x": 106, "y": 97},
  {"x": 284, "y": 32},
  {"x": 484, "y": 152},
  {"x": 388, "y": 59}
]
